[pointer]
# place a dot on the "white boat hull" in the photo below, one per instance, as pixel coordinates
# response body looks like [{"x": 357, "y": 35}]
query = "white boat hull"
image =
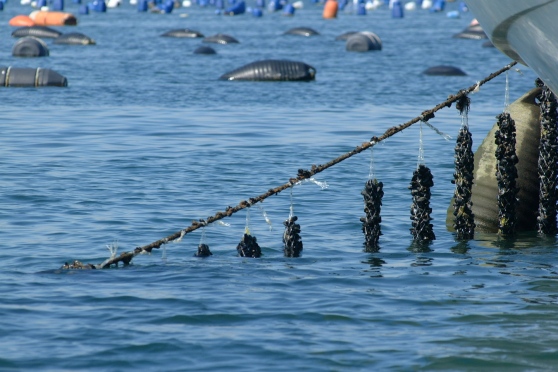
[{"x": 525, "y": 30}]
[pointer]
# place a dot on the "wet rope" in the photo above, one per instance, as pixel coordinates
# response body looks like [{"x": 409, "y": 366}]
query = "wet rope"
[
  {"x": 548, "y": 162},
  {"x": 302, "y": 175}
]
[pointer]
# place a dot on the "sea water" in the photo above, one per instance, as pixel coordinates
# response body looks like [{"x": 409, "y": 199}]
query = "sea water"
[{"x": 145, "y": 139}]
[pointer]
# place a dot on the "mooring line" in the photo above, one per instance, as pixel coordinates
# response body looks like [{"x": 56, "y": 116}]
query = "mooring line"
[{"x": 303, "y": 174}]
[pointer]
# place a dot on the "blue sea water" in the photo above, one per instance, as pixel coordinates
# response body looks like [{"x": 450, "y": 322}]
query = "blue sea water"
[{"x": 146, "y": 139}]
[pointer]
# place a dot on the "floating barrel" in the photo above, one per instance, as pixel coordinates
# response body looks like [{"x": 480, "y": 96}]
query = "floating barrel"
[
  {"x": 302, "y": 31},
  {"x": 30, "y": 77},
  {"x": 220, "y": 39},
  {"x": 53, "y": 18},
  {"x": 183, "y": 32},
  {"x": 330, "y": 9},
  {"x": 525, "y": 112},
  {"x": 346, "y": 35},
  {"x": 30, "y": 46},
  {"x": 204, "y": 50},
  {"x": 21, "y": 20},
  {"x": 37, "y": 31},
  {"x": 472, "y": 32},
  {"x": 363, "y": 42},
  {"x": 272, "y": 70},
  {"x": 74, "y": 38},
  {"x": 444, "y": 71}
]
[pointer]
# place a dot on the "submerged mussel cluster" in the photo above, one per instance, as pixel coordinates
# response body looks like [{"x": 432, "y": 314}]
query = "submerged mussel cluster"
[
  {"x": 373, "y": 193},
  {"x": 506, "y": 174},
  {"x": 421, "y": 183},
  {"x": 464, "y": 221},
  {"x": 248, "y": 247},
  {"x": 548, "y": 161},
  {"x": 291, "y": 238}
]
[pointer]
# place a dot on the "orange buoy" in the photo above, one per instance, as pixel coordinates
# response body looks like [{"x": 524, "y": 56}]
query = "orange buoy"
[
  {"x": 21, "y": 21},
  {"x": 53, "y": 18},
  {"x": 330, "y": 9}
]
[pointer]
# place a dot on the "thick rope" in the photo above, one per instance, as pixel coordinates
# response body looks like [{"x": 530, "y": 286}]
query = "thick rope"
[{"x": 303, "y": 174}]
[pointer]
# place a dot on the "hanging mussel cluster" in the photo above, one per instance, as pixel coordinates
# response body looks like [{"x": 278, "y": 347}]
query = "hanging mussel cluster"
[
  {"x": 464, "y": 222},
  {"x": 248, "y": 247},
  {"x": 203, "y": 251},
  {"x": 548, "y": 161},
  {"x": 506, "y": 174},
  {"x": 291, "y": 238},
  {"x": 373, "y": 193},
  {"x": 421, "y": 183}
]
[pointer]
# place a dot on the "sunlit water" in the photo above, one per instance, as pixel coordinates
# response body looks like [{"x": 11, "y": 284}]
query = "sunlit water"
[{"x": 146, "y": 139}]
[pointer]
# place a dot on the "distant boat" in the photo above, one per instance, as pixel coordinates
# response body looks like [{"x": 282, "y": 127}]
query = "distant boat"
[{"x": 524, "y": 30}]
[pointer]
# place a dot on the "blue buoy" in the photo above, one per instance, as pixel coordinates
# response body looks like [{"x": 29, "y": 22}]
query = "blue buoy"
[
  {"x": 97, "y": 6},
  {"x": 76, "y": 1},
  {"x": 257, "y": 12},
  {"x": 463, "y": 7},
  {"x": 167, "y": 6},
  {"x": 397, "y": 9},
  {"x": 288, "y": 10},
  {"x": 438, "y": 6},
  {"x": 1, "y": 5},
  {"x": 142, "y": 6},
  {"x": 361, "y": 9},
  {"x": 238, "y": 8},
  {"x": 41, "y": 3},
  {"x": 274, "y": 5},
  {"x": 58, "y": 5},
  {"x": 260, "y": 3},
  {"x": 83, "y": 9},
  {"x": 453, "y": 14}
]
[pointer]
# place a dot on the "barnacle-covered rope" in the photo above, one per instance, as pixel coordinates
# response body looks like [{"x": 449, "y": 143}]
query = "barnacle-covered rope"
[{"x": 302, "y": 175}]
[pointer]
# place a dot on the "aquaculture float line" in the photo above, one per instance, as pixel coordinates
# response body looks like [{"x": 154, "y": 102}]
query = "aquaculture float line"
[{"x": 302, "y": 175}]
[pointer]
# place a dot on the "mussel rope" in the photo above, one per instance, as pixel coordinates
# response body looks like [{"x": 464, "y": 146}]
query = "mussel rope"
[{"x": 303, "y": 174}]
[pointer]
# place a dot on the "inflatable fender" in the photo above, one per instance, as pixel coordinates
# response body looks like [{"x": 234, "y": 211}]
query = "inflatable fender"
[
  {"x": 484, "y": 194},
  {"x": 31, "y": 77},
  {"x": 53, "y": 18},
  {"x": 37, "y": 31},
  {"x": 220, "y": 39},
  {"x": 444, "y": 71},
  {"x": 346, "y": 35},
  {"x": 363, "y": 42},
  {"x": 21, "y": 21},
  {"x": 30, "y": 46},
  {"x": 302, "y": 31},
  {"x": 183, "y": 32},
  {"x": 272, "y": 70},
  {"x": 74, "y": 38}
]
